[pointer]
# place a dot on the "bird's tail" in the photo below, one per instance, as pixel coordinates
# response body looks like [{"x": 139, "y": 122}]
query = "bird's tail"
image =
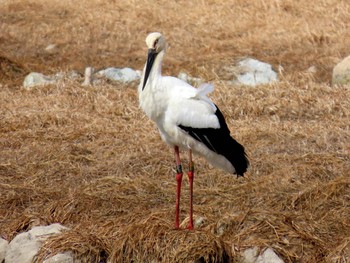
[
  {"x": 237, "y": 156},
  {"x": 231, "y": 149}
]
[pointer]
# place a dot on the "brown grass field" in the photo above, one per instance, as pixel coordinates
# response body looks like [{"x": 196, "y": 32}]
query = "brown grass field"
[{"x": 88, "y": 158}]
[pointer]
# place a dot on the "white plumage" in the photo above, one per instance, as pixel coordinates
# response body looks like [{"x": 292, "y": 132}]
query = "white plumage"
[{"x": 185, "y": 116}]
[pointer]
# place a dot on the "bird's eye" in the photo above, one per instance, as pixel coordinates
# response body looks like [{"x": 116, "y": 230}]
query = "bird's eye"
[{"x": 155, "y": 43}]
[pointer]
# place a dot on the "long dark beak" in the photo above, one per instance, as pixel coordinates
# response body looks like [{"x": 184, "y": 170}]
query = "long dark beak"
[{"x": 150, "y": 60}]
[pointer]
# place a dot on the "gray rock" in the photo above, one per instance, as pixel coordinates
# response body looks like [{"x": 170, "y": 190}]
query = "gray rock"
[
  {"x": 89, "y": 71},
  {"x": 253, "y": 72},
  {"x": 269, "y": 256},
  {"x": 26, "y": 245},
  {"x": 312, "y": 69},
  {"x": 199, "y": 222},
  {"x": 190, "y": 80},
  {"x": 123, "y": 75},
  {"x": 34, "y": 79},
  {"x": 251, "y": 255},
  {"x": 61, "y": 258},
  {"x": 72, "y": 75},
  {"x": 341, "y": 72},
  {"x": 3, "y": 248}
]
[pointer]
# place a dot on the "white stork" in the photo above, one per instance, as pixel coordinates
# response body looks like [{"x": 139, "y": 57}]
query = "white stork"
[{"x": 187, "y": 119}]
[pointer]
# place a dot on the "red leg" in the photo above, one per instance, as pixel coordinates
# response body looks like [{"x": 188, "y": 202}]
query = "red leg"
[
  {"x": 178, "y": 188},
  {"x": 190, "y": 177}
]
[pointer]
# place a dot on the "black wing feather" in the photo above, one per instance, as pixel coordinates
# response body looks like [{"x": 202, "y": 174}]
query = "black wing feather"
[{"x": 220, "y": 141}]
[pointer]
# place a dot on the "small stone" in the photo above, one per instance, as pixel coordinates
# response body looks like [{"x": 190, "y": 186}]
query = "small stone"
[
  {"x": 190, "y": 80},
  {"x": 89, "y": 71},
  {"x": 139, "y": 72},
  {"x": 249, "y": 255},
  {"x": 124, "y": 75},
  {"x": 61, "y": 258},
  {"x": 3, "y": 248},
  {"x": 198, "y": 222},
  {"x": 253, "y": 72},
  {"x": 26, "y": 245},
  {"x": 183, "y": 76},
  {"x": 58, "y": 76},
  {"x": 269, "y": 256},
  {"x": 312, "y": 69},
  {"x": 73, "y": 74},
  {"x": 341, "y": 72},
  {"x": 37, "y": 79}
]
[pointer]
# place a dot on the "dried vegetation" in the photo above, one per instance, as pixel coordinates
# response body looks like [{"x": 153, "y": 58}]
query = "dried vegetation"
[{"x": 88, "y": 158}]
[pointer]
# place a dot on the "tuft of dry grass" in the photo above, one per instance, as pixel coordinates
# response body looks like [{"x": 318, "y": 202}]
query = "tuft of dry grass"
[{"x": 88, "y": 158}]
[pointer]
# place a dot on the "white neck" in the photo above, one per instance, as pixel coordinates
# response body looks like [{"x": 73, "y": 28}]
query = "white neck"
[
  {"x": 152, "y": 96},
  {"x": 156, "y": 71}
]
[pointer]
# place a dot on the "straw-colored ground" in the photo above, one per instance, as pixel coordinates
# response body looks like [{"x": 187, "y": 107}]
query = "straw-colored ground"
[{"x": 88, "y": 157}]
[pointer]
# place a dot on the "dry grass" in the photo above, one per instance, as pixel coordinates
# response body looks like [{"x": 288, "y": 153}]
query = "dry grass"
[{"x": 89, "y": 159}]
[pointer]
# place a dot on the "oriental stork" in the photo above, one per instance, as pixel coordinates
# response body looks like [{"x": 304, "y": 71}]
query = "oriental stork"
[{"x": 187, "y": 119}]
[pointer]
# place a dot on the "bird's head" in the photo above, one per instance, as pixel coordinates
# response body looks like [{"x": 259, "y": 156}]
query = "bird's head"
[{"x": 156, "y": 43}]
